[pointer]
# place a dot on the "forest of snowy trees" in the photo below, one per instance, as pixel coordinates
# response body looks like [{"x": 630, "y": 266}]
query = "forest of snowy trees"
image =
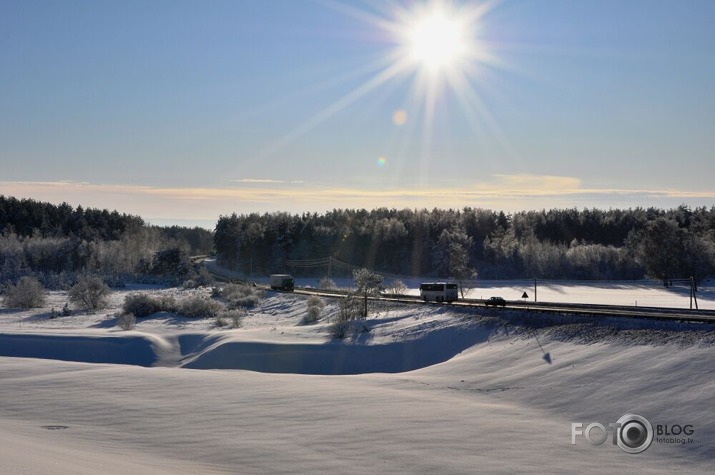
[
  {"x": 58, "y": 242},
  {"x": 51, "y": 240},
  {"x": 553, "y": 244}
]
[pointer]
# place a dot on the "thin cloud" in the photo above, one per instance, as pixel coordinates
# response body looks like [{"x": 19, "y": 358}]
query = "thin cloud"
[
  {"x": 263, "y": 181},
  {"x": 535, "y": 183},
  {"x": 503, "y": 186},
  {"x": 505, "y": 192}
]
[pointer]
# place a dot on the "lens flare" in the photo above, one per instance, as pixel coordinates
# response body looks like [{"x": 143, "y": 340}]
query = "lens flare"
[
  {"x": 381, "y": 162},
  {"x": 399, "y": 117}
]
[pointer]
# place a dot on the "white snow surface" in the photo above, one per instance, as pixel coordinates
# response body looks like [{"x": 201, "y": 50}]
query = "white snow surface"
[{"x": 425, "y": 389}]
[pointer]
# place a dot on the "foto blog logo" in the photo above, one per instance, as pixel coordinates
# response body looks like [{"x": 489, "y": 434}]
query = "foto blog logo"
[{"x": 632, "y": 433}]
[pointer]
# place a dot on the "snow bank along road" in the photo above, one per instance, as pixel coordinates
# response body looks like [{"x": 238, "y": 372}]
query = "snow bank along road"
[
  {"x": 663, "y": 313},
  {"x": 672, "y": 307}
]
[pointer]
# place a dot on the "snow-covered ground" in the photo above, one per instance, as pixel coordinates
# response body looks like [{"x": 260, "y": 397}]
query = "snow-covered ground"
[{"x": 425, "y": 389}]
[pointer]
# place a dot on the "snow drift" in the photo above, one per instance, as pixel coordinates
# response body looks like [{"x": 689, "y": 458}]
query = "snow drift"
[{"x": 427, "y": 389}]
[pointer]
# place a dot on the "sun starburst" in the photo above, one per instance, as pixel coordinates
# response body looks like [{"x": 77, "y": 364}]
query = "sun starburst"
[
  {"x": 436, "y": 39},
  {"x": 435, "y": 47}
]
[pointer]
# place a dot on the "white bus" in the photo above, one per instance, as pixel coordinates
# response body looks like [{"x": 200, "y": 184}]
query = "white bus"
[{"x": 438, "y": 292}]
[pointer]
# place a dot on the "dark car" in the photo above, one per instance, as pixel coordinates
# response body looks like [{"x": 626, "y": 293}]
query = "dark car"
[{"x": 495, "y": 302}]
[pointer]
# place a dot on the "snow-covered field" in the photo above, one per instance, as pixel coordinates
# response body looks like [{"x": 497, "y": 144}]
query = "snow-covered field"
[{"x": 427, "y": 389}]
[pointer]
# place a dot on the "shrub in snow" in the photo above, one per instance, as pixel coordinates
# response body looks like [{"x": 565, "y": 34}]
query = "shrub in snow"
[
  {"x": 143, "y": 305},
  {"x": 90, "y": 293},
  {"x": 202, "y": 278},
  {"x": 240, "y": 295},
  {"x": 198, "y": 307},
  {"x": 349, "y": 310},
  {"x": 232, "y": 316},
  {"x": 315, "y": 301},
  {"x": 315, "y": 307},
  {"x": 349, "y": 329},
  {"x": 326, "y": 283},
  {"x": 65, "y": 312},
  {"x": 340, "y": 330},
  {"x": 312, "y": 316},
  {"x": 396, "y": 287},
  {"x": 236, "y": 316},
  {"x": 27, "y": 293},
  {"x": 126, "y": 321}
]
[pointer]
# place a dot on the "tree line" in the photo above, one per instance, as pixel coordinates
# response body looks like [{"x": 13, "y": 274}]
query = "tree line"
[
  {"x": 459, "y": 244},
  {"x": 37, "y": 237},
  {"x": 58, "y": 242}
]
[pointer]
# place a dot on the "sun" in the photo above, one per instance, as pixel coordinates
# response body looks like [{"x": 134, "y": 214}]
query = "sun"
[
  {"x": 436, "y": 39},
  {"x": 440, "y": 49},
  {"x": 440, "y": 45}
]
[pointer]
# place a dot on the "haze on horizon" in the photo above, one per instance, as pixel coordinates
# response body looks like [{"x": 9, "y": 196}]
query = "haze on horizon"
[{"x": 181, "y": 111}]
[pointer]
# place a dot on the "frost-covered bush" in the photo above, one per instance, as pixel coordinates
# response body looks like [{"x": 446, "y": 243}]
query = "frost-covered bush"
[
  {"x": 315, "y": 301},
  {"x": 65, "y": 312},
  {"x": 198, "y": 307},
  {"x": 326, "y": 283},
  {"x": 241, "y": 295},
  {"x": 232, "y": 316},
  {"x": 126, "y": 321},
  {"x": 349, "y": 310},
  {"x": 143, "y": 305},
  {"x": 340, "y": 330},
  {"x": 312, "y": 316},
  {"x": 202, "y": 278},
  {"x": 315, "y": 307},
  {"x": 396, "y": 287},
  {"x": 236, "y": 316},
  {"x": 349, "y": 329},
  {"x": 90, "y": 293},
  {"x": 27, "y": 293}
]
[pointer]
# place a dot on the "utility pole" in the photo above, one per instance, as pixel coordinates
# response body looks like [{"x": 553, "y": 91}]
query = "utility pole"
[
  {"x": 693, "y": 297},
  {"x": 534, "y": 290}
]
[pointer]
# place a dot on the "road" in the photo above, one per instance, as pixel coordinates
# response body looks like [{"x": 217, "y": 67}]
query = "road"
[{"x": 591, "y": 310}]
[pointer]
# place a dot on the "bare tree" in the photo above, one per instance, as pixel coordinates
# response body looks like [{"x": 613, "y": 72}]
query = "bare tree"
[
  {"x": 90, "y": 293},
  {"x": 460, "y": 272},
  {"x": 368, "y": 284},
  {"x": 457, "y": 245}
]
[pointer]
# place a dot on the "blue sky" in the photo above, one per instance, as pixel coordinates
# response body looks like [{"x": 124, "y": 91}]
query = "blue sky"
[{"x": 181, "y": 111}]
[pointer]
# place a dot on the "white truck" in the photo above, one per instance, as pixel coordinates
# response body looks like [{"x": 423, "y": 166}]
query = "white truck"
[{"x": 282, "y": 282}]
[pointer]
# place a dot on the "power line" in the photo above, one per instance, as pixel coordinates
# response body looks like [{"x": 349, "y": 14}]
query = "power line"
[{"x": 331, "y": 263}]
